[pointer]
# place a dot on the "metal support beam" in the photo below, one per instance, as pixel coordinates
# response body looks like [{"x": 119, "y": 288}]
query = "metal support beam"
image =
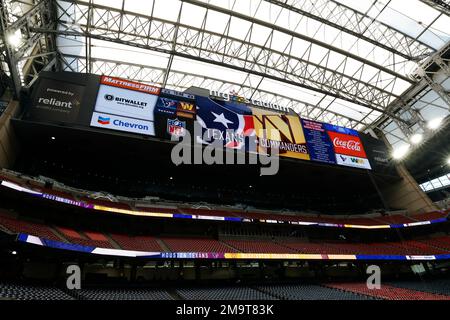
[
  {"x": 10, "y": 55},
  {"x": 359, "y": 25},
  {"x": 182, "y": 80},
  {"x": 297, "y": 35},
  {"x": 221, "y": 49},
  {"x": 33, "y": 50},
  {"x": 440, "y": 5},
  {"x": 438, "y": 63}
]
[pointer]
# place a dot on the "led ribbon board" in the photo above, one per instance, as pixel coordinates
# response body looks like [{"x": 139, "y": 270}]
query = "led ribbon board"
[{"x": 22, "y": 237}]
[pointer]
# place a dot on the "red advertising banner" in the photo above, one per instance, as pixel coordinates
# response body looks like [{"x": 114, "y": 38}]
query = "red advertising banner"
[
  {"x": 130, "y": 85},
  {"x": 347, "y": 145}
]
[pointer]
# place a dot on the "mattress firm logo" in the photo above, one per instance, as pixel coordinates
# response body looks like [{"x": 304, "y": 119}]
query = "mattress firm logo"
[
  {"x": 56, "y": 101},
  {"x": 125, "y": 101},
  {"x": 232, "y": 96}
]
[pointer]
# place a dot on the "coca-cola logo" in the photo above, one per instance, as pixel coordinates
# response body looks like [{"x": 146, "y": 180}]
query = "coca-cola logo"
[{"x": 347, "y": 144}]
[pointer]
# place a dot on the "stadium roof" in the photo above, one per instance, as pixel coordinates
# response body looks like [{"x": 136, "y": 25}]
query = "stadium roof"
[{"x": 346, "y": 62}]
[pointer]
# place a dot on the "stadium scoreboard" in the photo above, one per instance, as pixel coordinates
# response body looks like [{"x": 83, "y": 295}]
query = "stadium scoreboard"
[{"x": 109, "y": 103}]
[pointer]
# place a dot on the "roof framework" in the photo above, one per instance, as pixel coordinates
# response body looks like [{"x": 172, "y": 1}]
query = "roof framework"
[{"x": 338, "y": 61}]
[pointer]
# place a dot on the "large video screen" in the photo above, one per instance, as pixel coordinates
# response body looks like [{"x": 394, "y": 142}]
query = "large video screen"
[
  {"x": 132, "y": 107},
  {"x": 236, "y": 124}
]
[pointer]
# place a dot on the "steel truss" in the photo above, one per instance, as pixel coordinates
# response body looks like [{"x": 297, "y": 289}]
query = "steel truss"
[
  {"x": 41, "y": 22},
  {"x": 180, "y": 80},
  {"x": 437, "y": 66},
  {"x": 34, "y": 51},
  {"x": 360, "y": 25},
  {"x": 441, "y": 5},
  {"x": 90, "y": 20}
]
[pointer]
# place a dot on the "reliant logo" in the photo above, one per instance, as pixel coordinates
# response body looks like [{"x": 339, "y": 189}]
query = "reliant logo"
[
  {"x": 55, "y": 103},
  {"x": 350, "y": 144}
]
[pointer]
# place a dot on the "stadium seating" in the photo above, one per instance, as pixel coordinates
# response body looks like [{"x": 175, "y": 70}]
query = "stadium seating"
[
  {"x": 387, "y": 292},
  {"x": 196, "y": 245},
  {"x": 31, "y": 292},
  {"x": 439, "y": 242},
  {"x": 435, "y": 286},
  {"x": 123, "y": 294},
  {"x": 430, "y": 215},
  {"x": 21, "y": 226},
  {"x": 93, "y": 239},
  {"x": 395, "y": 219},
  {"x": 139, "y": 243},
  {"x": 404, "y": 290},
  {"x": 225, "y": 293},
  {"x": 258, "y": 246},
  {"x": 310, "y": 292},
  {"x": 439, "y": 245},
  {"x": 368, "y": 221}
]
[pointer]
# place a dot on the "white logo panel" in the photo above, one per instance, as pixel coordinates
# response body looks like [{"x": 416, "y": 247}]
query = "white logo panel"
[
  {"x": 352, "y": 161},
  {"x": 125, "y": 102},
  {"x": 113, "y": 122}
]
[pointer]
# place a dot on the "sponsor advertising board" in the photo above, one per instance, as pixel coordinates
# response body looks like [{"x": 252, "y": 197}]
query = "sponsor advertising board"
[
  {"x": 125, "y": 102},
  {"x": 348, "y": 149},
  {"x": 378, "y": 154},
  {"x": 174, "y": 114},
  {"x": 129, "y": 105},
  {"x": 56, "y": 101},
  {"x": 113, "y": 122}
]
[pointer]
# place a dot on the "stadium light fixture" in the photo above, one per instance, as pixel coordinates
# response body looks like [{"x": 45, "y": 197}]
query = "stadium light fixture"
[
  {"x": 416, "y": 138},
  {"x": 13, "y": 253},
  {"x": 15, "y": 38},
  {"x": 400, "y": 152},
  {"x": 53, "y": 138},
  {"x": 448, "y": 160},
  {"x": 435, "y": 123}
]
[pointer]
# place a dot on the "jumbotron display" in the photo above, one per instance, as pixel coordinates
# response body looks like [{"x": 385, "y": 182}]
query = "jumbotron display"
[{"x": 141, "y": 109}]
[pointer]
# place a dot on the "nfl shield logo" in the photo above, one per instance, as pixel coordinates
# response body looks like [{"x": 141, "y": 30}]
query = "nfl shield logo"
[{"x": 176, "y": 127}]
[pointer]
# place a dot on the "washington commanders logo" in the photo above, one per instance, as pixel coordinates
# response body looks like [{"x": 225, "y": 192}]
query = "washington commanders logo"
[{"x": 186, "y": 106}]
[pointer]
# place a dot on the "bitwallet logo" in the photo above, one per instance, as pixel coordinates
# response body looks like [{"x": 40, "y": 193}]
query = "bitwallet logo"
[{"x": 109, "y": 97}]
